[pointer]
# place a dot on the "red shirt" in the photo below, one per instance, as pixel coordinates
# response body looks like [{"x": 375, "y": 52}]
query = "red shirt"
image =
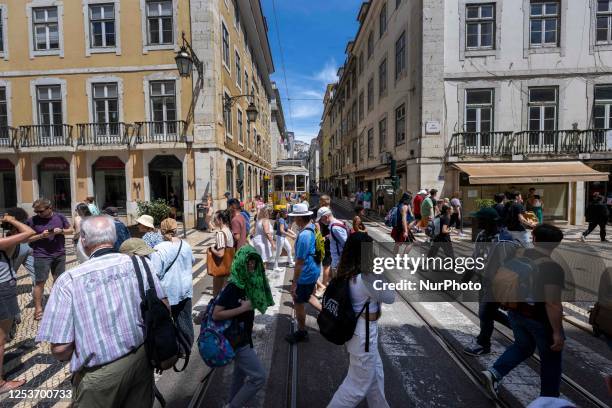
[
  {"x": 416, "y": 204},
  {"x": 239, "y": 228}
]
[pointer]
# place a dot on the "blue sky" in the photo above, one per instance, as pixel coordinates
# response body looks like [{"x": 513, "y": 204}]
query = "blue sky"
[{"x": 313, "y": 36}]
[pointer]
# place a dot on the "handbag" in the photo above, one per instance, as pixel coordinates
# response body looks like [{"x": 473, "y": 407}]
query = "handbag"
[{"x": 219, "y": 267}]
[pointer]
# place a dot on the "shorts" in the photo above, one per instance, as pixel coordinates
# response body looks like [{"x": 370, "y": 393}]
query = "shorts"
[
  {"x": 42, "y": 266},
  {"x": 9, "y": 308},
  {"x": 327, "y": 259},
  {"x": 397, "y": 233},
  {"x": 303, "y": 292}
]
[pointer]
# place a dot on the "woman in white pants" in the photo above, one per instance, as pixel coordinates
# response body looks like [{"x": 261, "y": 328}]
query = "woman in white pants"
[
  {"x": 263, "y": 241},
  {"x": 365, "y": 377},
  {"x": 282, "y": 232}
]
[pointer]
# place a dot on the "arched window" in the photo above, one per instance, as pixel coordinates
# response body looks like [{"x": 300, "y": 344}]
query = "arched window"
[
  {"x": 229, "y": 177},
  {"x": 250, "y": 181}
]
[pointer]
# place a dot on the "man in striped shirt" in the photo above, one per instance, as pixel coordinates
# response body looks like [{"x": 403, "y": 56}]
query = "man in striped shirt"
[{"x": 93, "y": 319}]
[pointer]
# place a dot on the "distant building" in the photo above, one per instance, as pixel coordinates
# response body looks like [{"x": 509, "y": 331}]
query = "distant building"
[
  {"x": 313, "y": 164},
  {"x": 278, "y": 129}
]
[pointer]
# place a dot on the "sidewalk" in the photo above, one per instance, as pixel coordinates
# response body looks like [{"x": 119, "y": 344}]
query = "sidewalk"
[{"x": 33, "y": 362}]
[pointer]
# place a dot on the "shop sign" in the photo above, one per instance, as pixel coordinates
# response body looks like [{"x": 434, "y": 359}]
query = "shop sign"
[
  {"x": 54, "y": 164},
  {"x": 6, "y": 165}
]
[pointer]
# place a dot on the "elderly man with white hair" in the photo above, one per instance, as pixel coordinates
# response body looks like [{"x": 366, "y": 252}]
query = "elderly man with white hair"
[{"x": 93, "y": 319}]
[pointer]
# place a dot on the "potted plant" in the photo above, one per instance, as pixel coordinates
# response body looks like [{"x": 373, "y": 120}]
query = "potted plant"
[{"x": 158, "y": 209}]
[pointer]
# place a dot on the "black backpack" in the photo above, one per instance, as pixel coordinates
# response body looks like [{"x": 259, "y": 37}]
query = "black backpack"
[
  {"x": 161, "y": 335},
  {"x": 337, "y": 320}
]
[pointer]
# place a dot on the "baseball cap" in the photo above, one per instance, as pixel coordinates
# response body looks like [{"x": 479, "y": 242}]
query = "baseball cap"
[{"x": 323, "y": 211}]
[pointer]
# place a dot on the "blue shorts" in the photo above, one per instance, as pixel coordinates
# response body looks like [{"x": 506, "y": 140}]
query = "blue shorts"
[{"x": 303, "y": 292}]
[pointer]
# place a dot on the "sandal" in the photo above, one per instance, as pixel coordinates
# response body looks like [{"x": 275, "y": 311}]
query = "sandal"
[
  {"x": 10, "y": 385},
  {"x": 38, "y": 315}
]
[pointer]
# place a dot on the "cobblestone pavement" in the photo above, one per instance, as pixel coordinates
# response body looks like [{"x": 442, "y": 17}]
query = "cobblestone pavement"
[{"x": 33, "y": 362}]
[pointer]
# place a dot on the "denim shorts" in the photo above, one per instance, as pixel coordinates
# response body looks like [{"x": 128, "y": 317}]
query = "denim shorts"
[
  {"x": 303, "y": 292},
  {"x": 42, "y": 267}
]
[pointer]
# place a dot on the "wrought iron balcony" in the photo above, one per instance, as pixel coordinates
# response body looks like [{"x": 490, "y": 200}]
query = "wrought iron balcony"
[
  {"x": 45, "y": 135},
  {"x": 8, "y": 136},
  {"x": 548, "y": 142},
  {"x": 597, "y": 140},
  {"x": 161, "y": 132},
  {"x": 481, "y": 144},
  {"x": 103, "y": 134}
]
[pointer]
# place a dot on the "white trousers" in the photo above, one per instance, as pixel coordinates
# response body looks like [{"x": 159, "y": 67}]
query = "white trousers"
[
  {"x": 365, "y": 377},
  {"x": 282, "y": 242}
]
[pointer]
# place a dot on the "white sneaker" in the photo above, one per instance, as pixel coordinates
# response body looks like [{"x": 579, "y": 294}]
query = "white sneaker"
[
  {"x": 582, "y": 238},
  {"x": 291, "y": 264}
]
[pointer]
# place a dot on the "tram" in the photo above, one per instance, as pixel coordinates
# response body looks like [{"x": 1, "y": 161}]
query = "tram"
[{"x": 290, "y": 183}]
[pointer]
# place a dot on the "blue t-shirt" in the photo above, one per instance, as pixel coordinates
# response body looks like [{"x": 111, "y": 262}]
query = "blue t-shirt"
[
  {"x": 281, "y": 221},
  {"x": 304, "y": 251}
]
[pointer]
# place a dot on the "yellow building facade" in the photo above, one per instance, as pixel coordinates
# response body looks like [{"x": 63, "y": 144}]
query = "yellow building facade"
[{"x": 92, "y": 103}]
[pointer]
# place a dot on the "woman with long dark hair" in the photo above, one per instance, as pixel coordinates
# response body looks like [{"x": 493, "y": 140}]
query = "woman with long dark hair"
[{"x": 365, "y": 377}]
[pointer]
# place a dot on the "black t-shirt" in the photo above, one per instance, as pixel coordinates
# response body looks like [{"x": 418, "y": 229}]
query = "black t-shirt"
[
  {"x": 444, "y": 220},
  {"x": 512, "y": 221},
  {"x": 324, "y": 229},
  {"x": 549, "y": 273},
  {"x": 241, "y": 331}
]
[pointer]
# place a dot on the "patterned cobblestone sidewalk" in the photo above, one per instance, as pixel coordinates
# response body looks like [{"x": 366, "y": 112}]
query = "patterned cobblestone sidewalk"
[{"x": 25, "y": 359}]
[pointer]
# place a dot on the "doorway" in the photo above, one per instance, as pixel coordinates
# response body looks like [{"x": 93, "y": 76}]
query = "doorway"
[
  {"x": 8, "y": 184},
  {"x": 54, "y": 183},
  {"x": 166, "y": 180}
]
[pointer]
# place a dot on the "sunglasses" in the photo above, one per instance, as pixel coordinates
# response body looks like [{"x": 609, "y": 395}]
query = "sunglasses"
[{"x": 40, "y": 211}]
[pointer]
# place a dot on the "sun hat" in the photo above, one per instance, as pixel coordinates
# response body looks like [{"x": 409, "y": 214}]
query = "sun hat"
[
  {"x": 300, "y": 210},
  {"x": 146, "y": 220},
  {"x": 135, "y": 246},
  {"x": 167, "y": 225},
  {"x": 323, "y": 211}
]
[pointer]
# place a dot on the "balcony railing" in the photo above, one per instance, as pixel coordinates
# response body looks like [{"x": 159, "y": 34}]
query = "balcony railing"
[
  {"x": 101, "y": 134},
  {"x": 8, "y": 136},
  {"x": 46, "y": 135},
  {"x": 161, "y": 132},
  {"x": 597, "y": 140},
  {"x": 481, "y": 144}
]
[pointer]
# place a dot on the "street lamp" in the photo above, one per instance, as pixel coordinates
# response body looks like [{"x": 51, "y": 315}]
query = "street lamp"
[
  {"x": 251, "y": 111},
  {"x": 186, "y": 58}
]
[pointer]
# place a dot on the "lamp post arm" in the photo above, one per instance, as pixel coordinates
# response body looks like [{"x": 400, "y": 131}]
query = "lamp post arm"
[{"x": 196, "y": 61}]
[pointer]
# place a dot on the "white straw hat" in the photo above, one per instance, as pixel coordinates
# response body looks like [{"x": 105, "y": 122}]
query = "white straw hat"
[
  {"x": 300, "y": 210},
  {"x": 146, "y": 220}
]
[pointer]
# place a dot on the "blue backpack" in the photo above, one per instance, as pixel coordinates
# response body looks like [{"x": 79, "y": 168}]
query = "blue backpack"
[
  {"x": 247, "y": 219},
  {"x": 215, "y": 349},
  {"x": 391, "y": 218}
]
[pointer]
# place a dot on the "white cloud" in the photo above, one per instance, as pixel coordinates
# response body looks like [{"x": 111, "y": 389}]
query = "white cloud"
[
  {"x": 328, "y": 74},
  {"x": 301, "y": 110}
]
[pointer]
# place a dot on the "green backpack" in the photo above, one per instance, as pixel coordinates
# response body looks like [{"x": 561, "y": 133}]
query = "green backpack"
[{"x": 319, "y": 244}]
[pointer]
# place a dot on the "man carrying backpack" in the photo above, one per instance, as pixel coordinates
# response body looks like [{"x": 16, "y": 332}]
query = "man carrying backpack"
[
  {"x": 338, "y": 234},
  {"x": 536, "y": 319},
  {"x": 490, "y": 245},
  {"x": 306, "y": 272},
  {"x": 107, "y": 354}
]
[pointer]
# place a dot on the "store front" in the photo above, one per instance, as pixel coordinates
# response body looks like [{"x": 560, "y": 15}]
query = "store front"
[
  {"x": 552, "y": 181},
  {"x": 109, "y": 182},
  {"x": 604, "y": 188},
  {"x": 54, "y": 182},
  {"x": 8, "y": 184},
  {"x": 240, "y": 181},
  {"x": 166, "y": 179}
]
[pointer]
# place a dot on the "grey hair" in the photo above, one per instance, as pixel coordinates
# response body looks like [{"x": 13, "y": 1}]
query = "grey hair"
[{"x": 98, "y": 230}]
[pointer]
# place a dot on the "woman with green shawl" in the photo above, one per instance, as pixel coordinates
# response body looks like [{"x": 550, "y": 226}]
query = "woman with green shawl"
[{"x": 247, "y": 290}]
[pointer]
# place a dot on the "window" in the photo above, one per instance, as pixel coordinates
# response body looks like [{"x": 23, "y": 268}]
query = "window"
[
  {"x": 400, "y": 55},
  {"x": 400, "y": 125},
  {"x": 370, "y": 94},
  {"x": 229, "y": 177},
  {"x": 236, "y": 14},
  {"x": 246, "y": 81},
  {"x": 238, "y": 70},
  {"x": 360, "y": 63},
  {"x": 542, "y": 115},
  {"x": 159, "y": 22},
  {"x": 301, "y": 182},
  {"x": 602, "y": 109},
  {"x": 3, "y": 112},
  {"x": 382, "y": 19},
  {"x": 370, "y": 44},
  {"x": 106, "y": 108},
  {"x": 361, "y": 108},
  {"x": 382, "y": 78},
  {"x": 102, "y": 25},
  {"x": 397, "y": 3},
  {"x": 163, "y": 107},
  {"x": 480, "y": 27},
  {"x": 46, "y": 29},
  {"x": 289, "y": 180},
  {"x": 382, "y": 135},
  {"x": 371, "y": 142},
  {"x": 49, "y": 102},
  {"x": 354, "y": 148},
  {"x": 478, "y": 116},
  {"x": 239, "y": 123},
  {"x": 604, "y": 21},
  {"x": 227, "y": 116},
  {"x": 544, "y": 24},
  {"x": 226, "y": 50}
]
